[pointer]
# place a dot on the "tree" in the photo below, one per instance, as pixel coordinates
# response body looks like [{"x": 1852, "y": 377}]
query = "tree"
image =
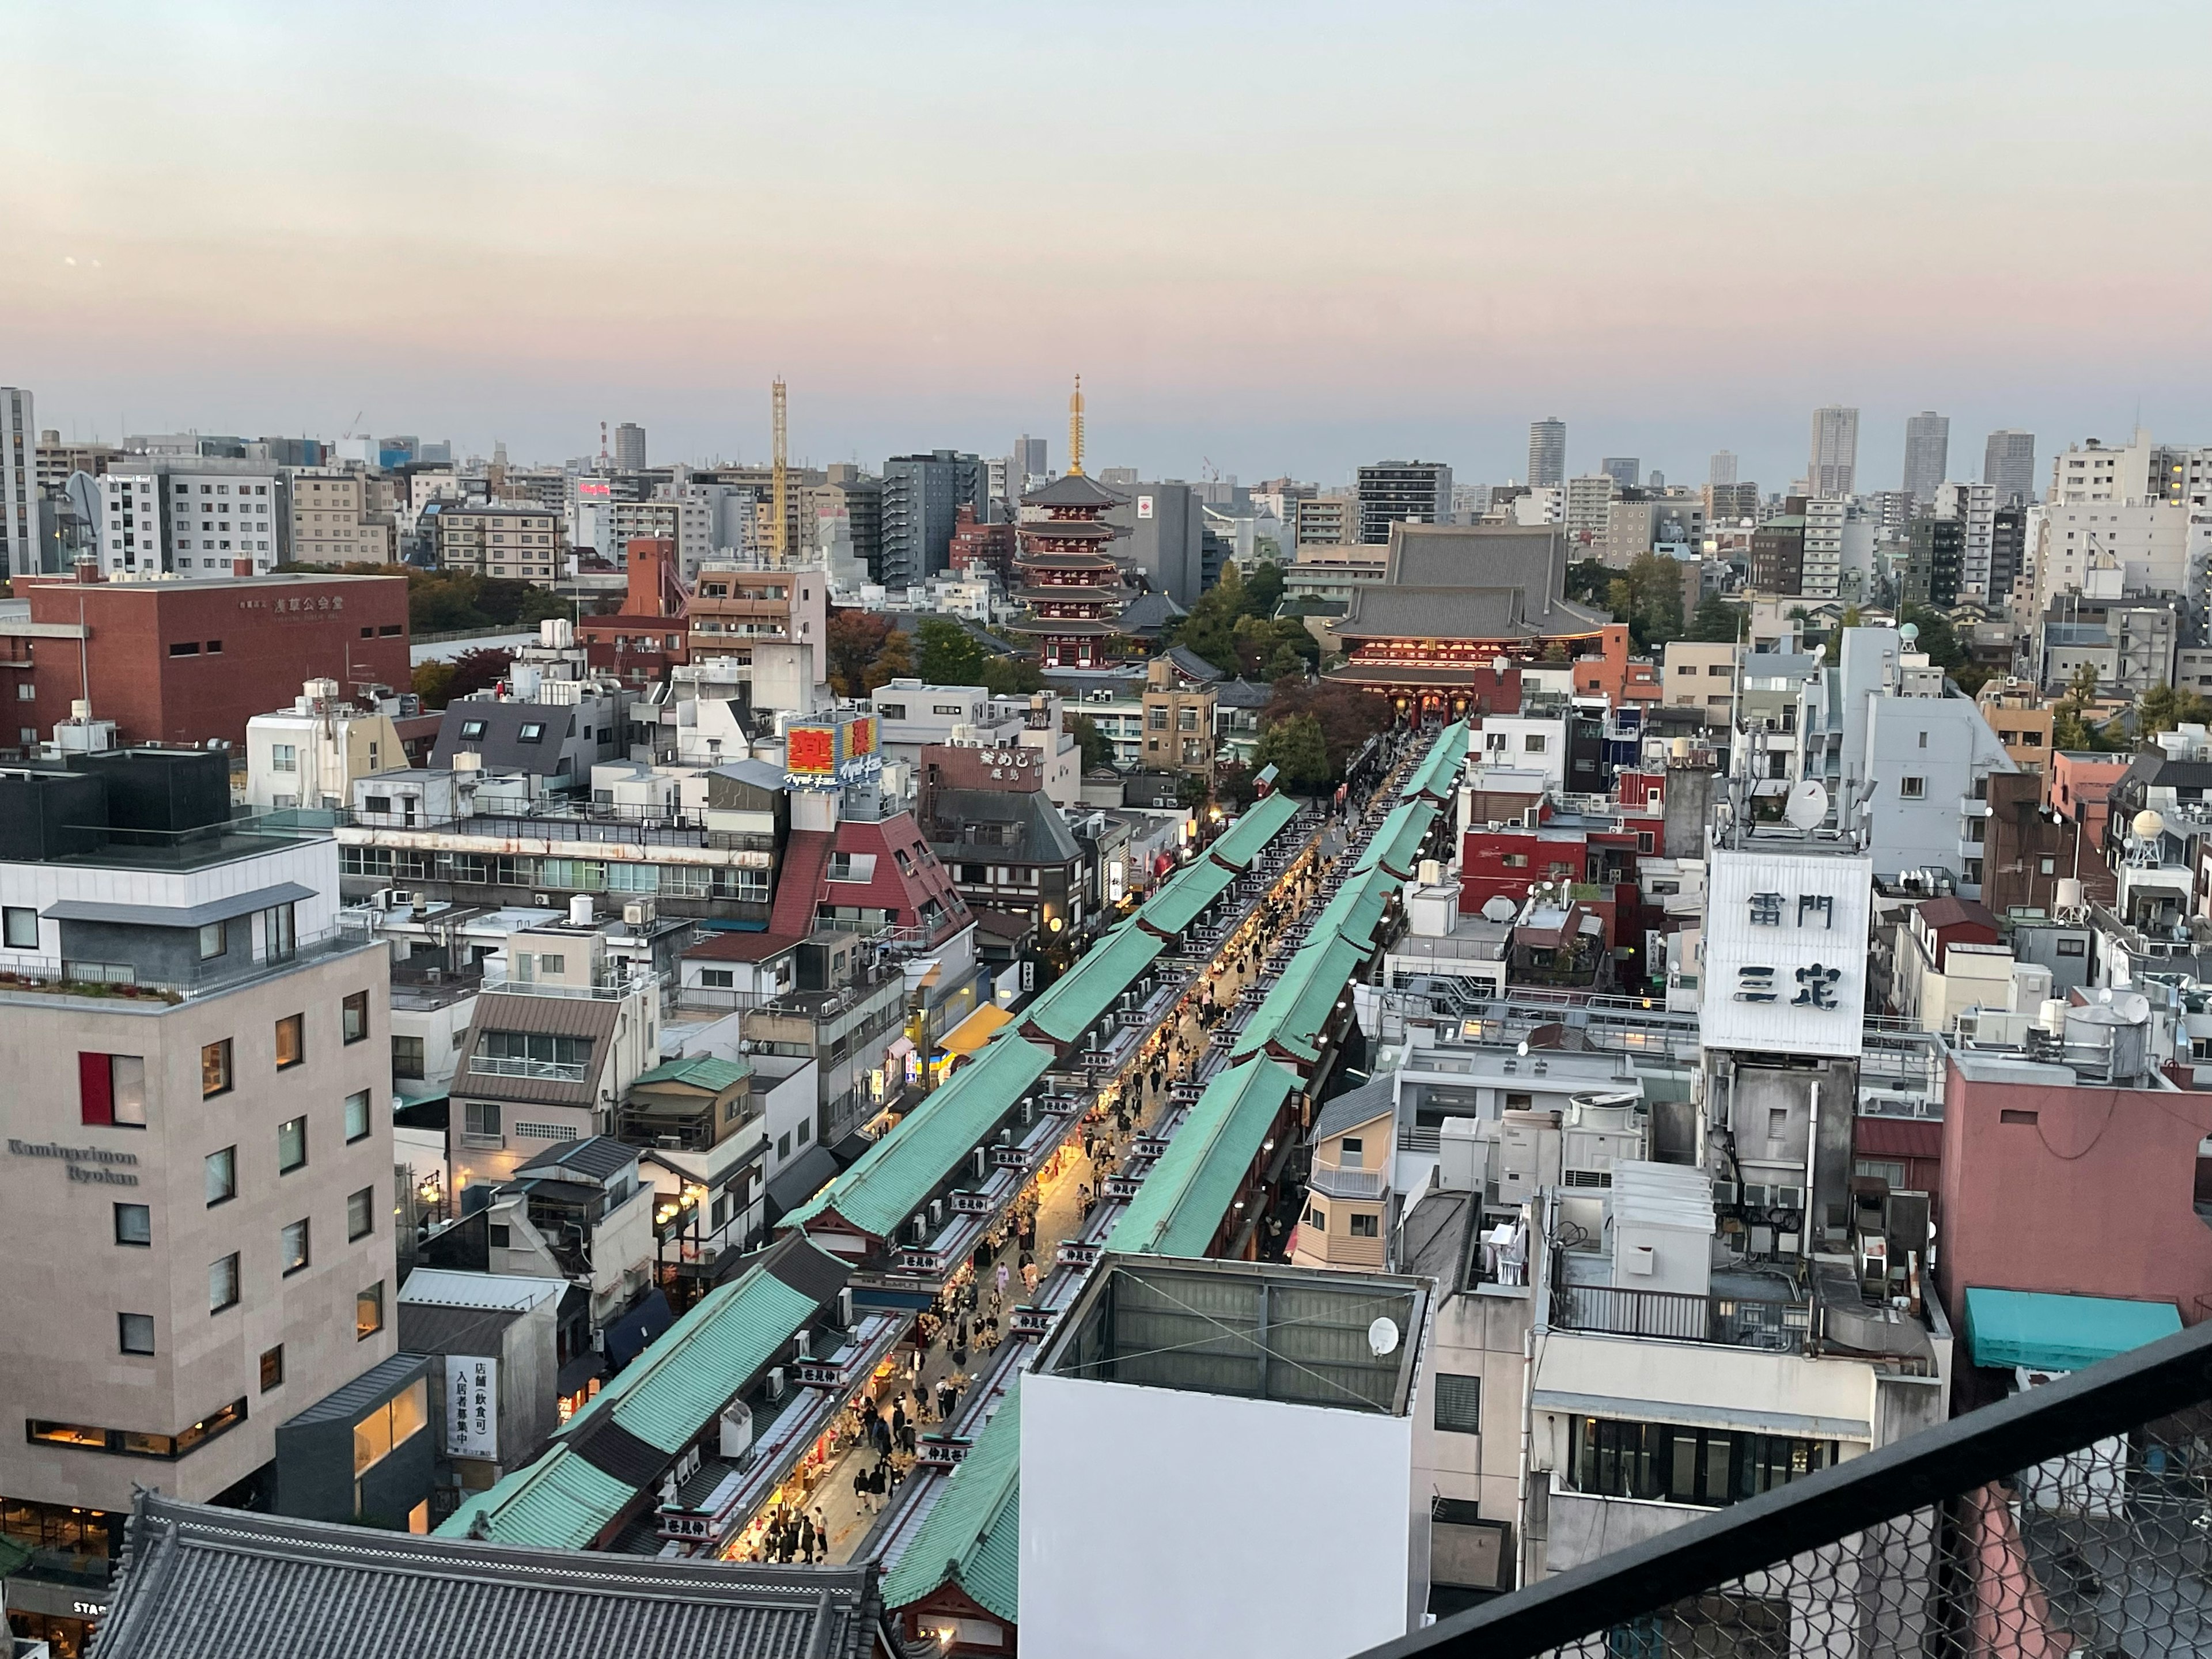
[
  {"x": 854, "y": 640},
  {"x": 1648, "y": 598},
  {"x": 1588, "y": 581},
  {"x": 1347, "y": 717},
  {"x": 1233, "y": 787},
  {"x": 1263, "y": 590},
  {"x": 432, "y": 682},
  {"x": 1716, "y": 621},
  {"x": 478, "y": 670},
  {"x": 951, "y": 655},
  {"x": 894, "y": 662},
  {"x": 1296, "y": 749},
  {"x": 1098, "y": 748},
  {"x": 1012, "y": 677},
  {"x": 2165, "y": 708},
  {"x": 2071, "y": 726}
]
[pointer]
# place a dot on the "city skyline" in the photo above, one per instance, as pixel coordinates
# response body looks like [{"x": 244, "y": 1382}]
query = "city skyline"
[{"x": 437, "y": 268}]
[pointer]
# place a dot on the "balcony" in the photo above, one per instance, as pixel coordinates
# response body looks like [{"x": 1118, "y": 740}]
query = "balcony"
[
  {"x": 120, "y": 982},
  {"x": 1337, "y": 1180},
  {"x": 545, "y": 1071},
  {"x": 2068, "y": 1518}
]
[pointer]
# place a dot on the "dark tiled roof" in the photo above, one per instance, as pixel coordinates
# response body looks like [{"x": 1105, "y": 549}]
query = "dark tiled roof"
[
  {"x": 1192, "y": 666},
  {"x": 376, "y": 1383},
  {"x": 596, "y": 1156},
  {"x": 1073, "y": 489},
  {"x": 200, "y": 1583},
  {"x": 1148, "y": 613},
  {"x": 739, "y": 945},
  {"x": 582, "y": 1017},
  {"x": 1352, "y": 1107},
  {"x": 1043, "y": 837}
]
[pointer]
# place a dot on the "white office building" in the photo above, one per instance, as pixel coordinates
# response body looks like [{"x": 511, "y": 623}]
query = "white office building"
[{"x": 19, "y": 481}]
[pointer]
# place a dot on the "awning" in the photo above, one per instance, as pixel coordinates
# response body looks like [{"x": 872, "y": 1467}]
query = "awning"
[
  {"x": 628, "y": 1336},
  {"x": 2046, "y": 1331},
  {"x": 799, "y": 1180},
  {"x": 970, "y": 1036},
  {"x": 165, "y": 915},
  {"x": 579, "y": 1372},
  {"x": 900, "y": 1049}
]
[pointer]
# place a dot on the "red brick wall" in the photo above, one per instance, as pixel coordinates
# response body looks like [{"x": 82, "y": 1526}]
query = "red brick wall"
[{"x": 274, "y": 634}]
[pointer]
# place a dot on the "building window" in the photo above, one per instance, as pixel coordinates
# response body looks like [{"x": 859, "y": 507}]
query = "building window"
[
  {"x": 352, "y": 1017},
  {"x": 1351, "y": 1151},
  {"x": 272, "y": 1368},
  {"x": 215, "y": 939},
  {"x": 1366, "y": 1226},
  {"x": 1533, "y": 743},
  {"x": 111, "y": 1090},
  {"x": 1459, "y": 1404},
  {"x": 134, "y": 1333},
  {"x": 391, "y": 1426},
  {"x": 533, "y": 731},
  {"x": 407, "y": 1056},
  {"x": 369, "y": 1312},
  {"x": 22, "y": 925},
  {"x": 291, "y": 1145},
  {"x": 222, "y": 1283},
  {"x": 1912, "y": 788},
  {"x": 291, "y": 1040},
  {"x": 292, "y": 1246},
  {"x": 481, "y": 1124},
  {"x": 221, "y": 1176},
  {"x": 1316, "y": 1218},
  {"x": 134, "y": 1224},
  {"x": 356, "y": 1116},
  {"x": 284, "y": 757},
  {"x": 278, "y": 932},
  {"x": 215, "y": 1069},
  {"x": 472, "y": 730},
  {"x": 361, "y": 1213},
  {"x": 1708, "y": 1466}
]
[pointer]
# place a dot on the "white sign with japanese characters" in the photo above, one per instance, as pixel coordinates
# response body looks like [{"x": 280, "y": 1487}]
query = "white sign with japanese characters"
[
  {"x": 1785, "y": 941},
  {"x": 471, "y": 1406}
]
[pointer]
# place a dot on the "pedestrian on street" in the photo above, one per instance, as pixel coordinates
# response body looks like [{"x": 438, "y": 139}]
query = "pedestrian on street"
[
  {"x": 821, "y": 1536},
  {"x": 807, "y": 1538},
  {"x": 898, "y": 1419},
  {"x": 1003, "y": 1276}
]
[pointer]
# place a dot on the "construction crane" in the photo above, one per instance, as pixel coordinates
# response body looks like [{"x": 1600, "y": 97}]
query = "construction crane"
[{"x": 778, "y": 476}]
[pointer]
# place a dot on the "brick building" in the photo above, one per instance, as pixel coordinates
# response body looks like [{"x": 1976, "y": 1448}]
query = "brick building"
[
  {"x": 650, "y": 634},
  {"x": 183, "y": 662}
]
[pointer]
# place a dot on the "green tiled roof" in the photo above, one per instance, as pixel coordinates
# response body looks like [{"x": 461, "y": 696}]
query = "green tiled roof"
[
  {"x": 1436, "y": 771},
  {"x": 560, "y": 1502},
  {"x": 1399, "y": 838},
  {"x": 704, "y": 1361},
  {"x": 1176, "y": 905},
  {"x": 1179, "y": 1209},
  {"x": 1248, "y": 836},
  {"x": 1088, "y": 989},
  {"x": 972, "y": 1538},
  {"x": 700, "y": 1071},
  {"x": 1356, "y": 910},
  {"x": 902, "y": 1170},
  {"x": 1299, "y": 1005}
]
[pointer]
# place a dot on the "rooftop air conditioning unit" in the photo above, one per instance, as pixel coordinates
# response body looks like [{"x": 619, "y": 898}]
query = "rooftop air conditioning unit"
[
  {"x": 773, "y": 1382},
  {"x": 540, "y": 898},
  {"x": 936, "y": 1212},
  {"x": 845, "y": 1307},
  {"x": 918, "y": 1228},
  {"x": 980, "y": 1163}
]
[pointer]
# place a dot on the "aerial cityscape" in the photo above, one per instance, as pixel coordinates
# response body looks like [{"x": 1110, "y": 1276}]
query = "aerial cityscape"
[{"x": 750, "y": 908}]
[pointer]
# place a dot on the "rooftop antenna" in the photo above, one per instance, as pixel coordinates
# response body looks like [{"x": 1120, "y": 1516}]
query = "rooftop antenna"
[{"x": 1075, "y": 429}]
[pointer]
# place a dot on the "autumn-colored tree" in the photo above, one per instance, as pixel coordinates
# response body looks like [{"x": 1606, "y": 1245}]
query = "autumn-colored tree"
[
  {"x": 853, "y": 641},
  {"x": 1347, "y": 716}
]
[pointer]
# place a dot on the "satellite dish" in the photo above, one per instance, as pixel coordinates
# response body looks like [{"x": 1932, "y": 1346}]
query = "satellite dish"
[
  {"x": 2147, "y": 825},
  {"x": 1524, "y": 1049},
  {"x": 1808, "y": 807},
  {"x": 1382, "y": 1338},
  {"x": 1498, "y": 908}
]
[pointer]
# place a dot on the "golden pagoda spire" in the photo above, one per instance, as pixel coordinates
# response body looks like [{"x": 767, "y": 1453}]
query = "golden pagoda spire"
[{"x": 1075, "y": 429}]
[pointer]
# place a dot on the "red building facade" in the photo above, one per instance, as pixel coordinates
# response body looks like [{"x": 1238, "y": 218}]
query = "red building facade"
[
  {"x": 181, "y": 662},
  {"x": 978, "y": 547},
  {"x": 650, "y": 634}
]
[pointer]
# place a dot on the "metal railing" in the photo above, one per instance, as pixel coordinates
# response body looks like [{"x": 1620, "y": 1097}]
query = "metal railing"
[
  {"x": 2072, "y": 1518},
  {"x": 1675, "y": 1316},
  {"x": 549, "y": 1071},
  {"x": 1334, "y": 1181},
  {"x": 56, "y": 976}
]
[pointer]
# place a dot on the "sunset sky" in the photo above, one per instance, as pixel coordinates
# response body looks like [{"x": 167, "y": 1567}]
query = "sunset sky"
[{"x": 1276, "y": 237}]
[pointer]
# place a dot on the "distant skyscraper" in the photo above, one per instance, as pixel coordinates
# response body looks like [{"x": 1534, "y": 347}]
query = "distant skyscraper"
[
  {"x": 1028, "y": 461},
  {"x": 2009, "y": 466},
  {"x": 1394, "y": 491},
  {"x": 1835, "y": 456},
  {"x": 922, "y": 496},
  {"x": 1654, "y": 479},
  {"x": 1927, "y": 454},
  {"x": 1626, "y": 470},
  {"x": 629, "y": 447},
  {"x": 18, "y": 483},
  {"x": 1723, "y": 468},
  {"x": 1547, "y": 452}
]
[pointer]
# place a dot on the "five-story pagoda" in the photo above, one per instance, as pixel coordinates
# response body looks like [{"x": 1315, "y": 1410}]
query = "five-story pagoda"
[{"x": 1071, "y": 586}]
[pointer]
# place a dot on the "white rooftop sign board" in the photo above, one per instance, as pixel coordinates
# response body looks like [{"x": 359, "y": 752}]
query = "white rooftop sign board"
[{"x": 1786, "y": 952}]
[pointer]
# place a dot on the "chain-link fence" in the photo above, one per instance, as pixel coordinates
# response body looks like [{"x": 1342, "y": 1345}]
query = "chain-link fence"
[{"x": 2071, "y": 1520}]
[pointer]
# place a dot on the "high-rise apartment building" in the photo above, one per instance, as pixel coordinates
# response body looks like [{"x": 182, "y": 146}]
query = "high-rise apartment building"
[
  {"x": 1589, "y": 505},
  {"x": 158, "y": 518},
  {"x": 2009, "y": 466},
  {"x": 525, "y": 543},
  {"x": 922, "y": 499},
  {"x": 630, "y": 447},
  {"x": 19, "y": 483},
  {"x": 2099, "y": 471},
  {"x": 1330, "y": 521},
  {"x": 1722, "y": 468},
  {"x": 1547, "y": 452},
  {"x": 1833, "y": 467},
  {"x": 1730, "y": 503},
  {"x": 1927, "y": 454},
  {"x": 1626, "y": 470},
  {"x": 1402, "y": 492},
  {"x": 330, "y": 524},
  {"x": 1975, "y": 507}
]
